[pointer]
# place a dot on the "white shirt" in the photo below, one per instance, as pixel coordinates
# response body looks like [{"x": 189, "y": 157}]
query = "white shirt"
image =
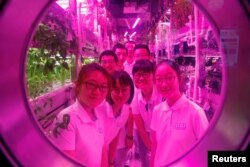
[
  {"x": 83, "y": 135},
  {"x": 177, "y": 129},
  {"x": 119, "y": 124},
  {"x": 141, "y": 106},
  {"x": 128, "y": 67}
]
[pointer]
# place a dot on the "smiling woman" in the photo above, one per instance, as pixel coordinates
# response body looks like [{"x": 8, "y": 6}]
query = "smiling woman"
[
  {"x": 83, "y": 118},
  {"x": 177, "y": 119},
  {"x": 120, "y": 120},
  {"x": 22, "y": 138}
]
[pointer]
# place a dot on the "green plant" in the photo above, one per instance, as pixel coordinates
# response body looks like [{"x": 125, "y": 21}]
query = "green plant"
[
  {"x": 88, "y": 60},
  {"x": 49, "y": 55},
  {"x": 43, "y": 71}
]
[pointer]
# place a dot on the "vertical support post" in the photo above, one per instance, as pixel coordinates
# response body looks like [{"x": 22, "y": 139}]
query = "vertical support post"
[
  {"x": 105, "y": 36},
  {"x": 190, "y": 28},
  {"x": 80, "y": 36},
  {"x": 74, "y": 12},
  {"x": 168, "y": 41},
  {"x": 156, "y": 48},
  {"x": 197, "y": 53},
  {"x": 170, "y": 37}
]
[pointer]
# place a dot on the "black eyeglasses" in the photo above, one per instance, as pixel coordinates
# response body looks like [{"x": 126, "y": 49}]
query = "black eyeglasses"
[
  {"x": 145, "y": 75},
  {"x": 123, "y": 91},
  {"x": 93, "y": 86},
  {"x": 170, "y": 78}
]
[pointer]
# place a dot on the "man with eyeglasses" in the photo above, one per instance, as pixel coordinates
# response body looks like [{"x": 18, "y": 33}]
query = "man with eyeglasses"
[
  {"x": 108, "y": 60},
  {"x": 143, "y": 103}
]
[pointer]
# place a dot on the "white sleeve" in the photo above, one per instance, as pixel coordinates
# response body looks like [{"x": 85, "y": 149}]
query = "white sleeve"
[
  {"x": 64, "y": 136},
  {"x": 200, "y": 122}
]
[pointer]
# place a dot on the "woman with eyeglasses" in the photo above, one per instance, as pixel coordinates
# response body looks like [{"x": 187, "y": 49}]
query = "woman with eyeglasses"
[
  {"x": 120, "y": 120},
  {"x": 79, "y": 129},
  {"x": 146, "y": 97},
  {"x": 177, "y": 123}
]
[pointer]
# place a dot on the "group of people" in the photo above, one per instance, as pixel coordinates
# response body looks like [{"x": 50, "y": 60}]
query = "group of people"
[{"x": 126, "y": 99}]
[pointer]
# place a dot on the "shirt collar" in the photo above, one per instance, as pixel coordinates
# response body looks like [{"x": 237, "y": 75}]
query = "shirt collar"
[
  {"x": 110, "y": 113},
  {"x": 130, "y": 64},
  {"x": 152, "y": 99},
  {"x": 178, "y": 104},
  {"x": 82, "y": 112},
  {"x": 165, "y": 106}
]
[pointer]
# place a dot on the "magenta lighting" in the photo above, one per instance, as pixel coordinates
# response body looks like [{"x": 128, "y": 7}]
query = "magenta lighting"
[
  {"x": 136, "y": 22},
  {"x": 126, "y": 33},
  {"x": 132, "y": 34}
]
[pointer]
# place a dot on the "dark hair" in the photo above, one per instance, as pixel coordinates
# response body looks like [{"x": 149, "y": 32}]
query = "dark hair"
[
  {"x": 173, "y": 65},
  {"x": 108, "y": 53},
  {"x": 125, "y": 80},
  {"x": 142, "y": 46},
  {"x": 119, "y": 46},
  {"x": 86, "y": 69},
  {"x": 143, "y": 65}
]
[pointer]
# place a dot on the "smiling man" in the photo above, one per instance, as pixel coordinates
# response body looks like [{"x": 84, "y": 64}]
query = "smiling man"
[
  {"x": 146, "y": 97},
  {"x": 108, "y": 60}
]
